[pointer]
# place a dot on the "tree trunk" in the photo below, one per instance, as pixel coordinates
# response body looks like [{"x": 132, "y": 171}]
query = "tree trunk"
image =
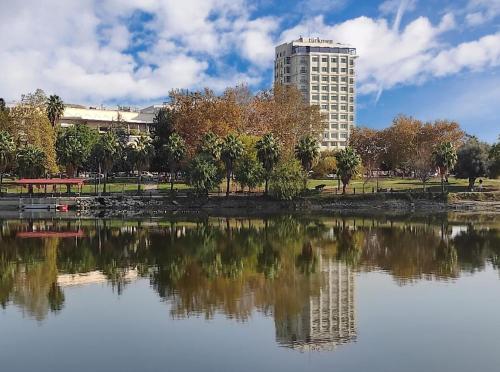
[
  {"x": 266, "y": 186},
  {"x": 105, "y": 182},
  {"x": 228, "y": 180},
  {"x": 139, "y": 180},
  {"x": 1, "y": 183},
  {"x": 343, "y": 188},
  {"x": 472, "y": 180},
  {"x": 442, "y": 183}
]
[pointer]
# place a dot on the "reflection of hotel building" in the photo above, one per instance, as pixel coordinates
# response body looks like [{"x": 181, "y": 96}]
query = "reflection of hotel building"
[{"x": 328, "y": 319}]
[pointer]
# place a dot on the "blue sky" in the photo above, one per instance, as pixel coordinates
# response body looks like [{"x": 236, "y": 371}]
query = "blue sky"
[{"x": 432, "y": 59}]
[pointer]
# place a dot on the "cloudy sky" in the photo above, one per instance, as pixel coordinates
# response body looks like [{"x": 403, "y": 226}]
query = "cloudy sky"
[{"x": 427, "y": 58}]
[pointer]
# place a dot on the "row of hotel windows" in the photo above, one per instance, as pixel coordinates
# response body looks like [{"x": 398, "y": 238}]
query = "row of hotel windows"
[
  {"x": 336, "y": 126},
  {"x": 334, "y": 106},
  {"x": 303, "y": 70},
  {"x": 333, "y": 88},
  {"x": 334, "y": 143},
  {"x": 343, "y": 79},
  {"x": 335, "y": 135}
]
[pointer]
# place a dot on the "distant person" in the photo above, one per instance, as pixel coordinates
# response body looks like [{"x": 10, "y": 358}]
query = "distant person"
[{"x": 480, "y": 188}]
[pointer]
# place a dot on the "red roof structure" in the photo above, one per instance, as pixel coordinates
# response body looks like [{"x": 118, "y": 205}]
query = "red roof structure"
[
  {"x": 49, "y": 181},
  {"x": 50, "y": 234}
]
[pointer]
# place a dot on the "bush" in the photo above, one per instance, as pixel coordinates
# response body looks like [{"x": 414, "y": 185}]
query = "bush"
[
  {"x": 203, "y": 174},
  {"x": 249, "y": 172},
  {"x": 287, "y": 180}
]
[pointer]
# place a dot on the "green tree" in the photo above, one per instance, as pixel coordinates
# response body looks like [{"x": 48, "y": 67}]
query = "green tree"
[
  {"x": 203, "y": 174},
  {"x": 103, "y": 155},
  {"x": 211, "y": 144},
  {"x": 142, "y": 152},
  {"x": 287, "y": 180},
  {"x": 161, "y": 129},
  {"x": 7, "y": 154},
  {"x": 494, "y": 157},
  {"x": 326, "y": 165},
  {"x": 175, "y": 150},
  {"x": 232, "y": 149},
  {"x": 249, "y": 172},
  {"x": 74, "y": 146},
  {"x": 31, "y": 162},
  {"x": 348, "y": 162},
  {"x": 268, "y": 152},
  {"x": 472, "y": 160},
  {"x": 307, "y": 151},
  {"x": 5, "y": 121},
  {"x": 444, "y": 157},
  {"x": 55, "y": 109}
]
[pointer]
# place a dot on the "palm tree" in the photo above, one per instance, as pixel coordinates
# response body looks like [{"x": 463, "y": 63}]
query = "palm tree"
[
  {"x": 307, "y": 151},
  {"x": 7, "y": 154},
  {"x": 444, "y": 158},
  {"x": 55, "y": 109},
  {"x": 232, "y": 149},
  {"x": 347, "y": 163},
  {"x": 142, "y": 152},
  {"x": 175, "y": 149},
  {"x": 211, "y": 144},
  {"x": 104, "y": 154},
  {"x": 268, "y": 151}
]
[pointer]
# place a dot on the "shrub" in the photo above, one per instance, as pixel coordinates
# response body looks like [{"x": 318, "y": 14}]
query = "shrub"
[
  {"x": 249, "y": 172},
  {"x": 287, "y": 180},
  {"x": 203, "y": 174}
]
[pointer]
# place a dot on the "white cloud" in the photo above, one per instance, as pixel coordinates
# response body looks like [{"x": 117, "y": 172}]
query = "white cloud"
[{"x": 480, "y": 12}]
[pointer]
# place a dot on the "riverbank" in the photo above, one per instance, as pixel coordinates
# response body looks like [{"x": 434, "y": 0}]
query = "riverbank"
[{"x": 155, "y": 205}]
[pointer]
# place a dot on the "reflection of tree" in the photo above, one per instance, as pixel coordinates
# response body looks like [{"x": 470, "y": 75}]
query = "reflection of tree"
[{"x": 306, "y": 260}]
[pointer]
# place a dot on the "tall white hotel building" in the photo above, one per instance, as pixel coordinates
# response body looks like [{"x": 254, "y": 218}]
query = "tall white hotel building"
[{"x": 324, "y": 72}]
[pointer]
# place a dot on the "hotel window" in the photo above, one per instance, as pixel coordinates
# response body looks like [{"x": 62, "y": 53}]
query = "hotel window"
[
  {"x": 315, "y": 59},
  {"x": 343, "y": 60},
  {"x": 351, "y": 62},
  {"x": 334, "y": 107},
  {"x": 324, "y": 98},
  {"x": 315, "y": 69},
  {"x": 335, "y": 69},
  {"x": 334, "y": 143},
  {"x": 324, "y": 78},
  {"x": 324, "y": 59},
  {"x": 343, "y": 126},
  {"x": 351, "y": 81},
  {"x": 351, "y": 90},
  {"x": 303, "y": 80},
  {"x": 351, "y": 118},
  {"x": 315, "y": 97},
  {"x": 303, "y": 61},
  {"x": 343, "y": 135},
  {"x": 303, "y": 70},
  {"x": 334, "y": 88},
  {"x": 325, "y": 135},
  {"x": 343, "y": 98},
  {"x": 334, "y": 97},
  {"x": 351, "y": 109},
  {"x": 342, "y": 70},
  {"x": 287, "y": 79},
  {"x": 334, "y": 60},
  {"x": 343, "y": 89},
  {"x": 324, "y": 88},
  {"x": 315, "y": 87},
  {"x": 334, "y": 135},
  {"x": 343, "y": 143},
  {"x": 324, "y": 69},
  {"x": 324, "y": 144},
  {"x": 343, "y": 79},
  {"x": 335, "y": 126},
  {"x": 343, "y": 107},
  {"x": 334, "y": 78},
  {"x": 324, "y": 107},
  {"x": 351, "y": 99},
  {"x": 334, "y": 116},
  {"x": 351, "y": 71},
  {"x": 315, "y": 78}
]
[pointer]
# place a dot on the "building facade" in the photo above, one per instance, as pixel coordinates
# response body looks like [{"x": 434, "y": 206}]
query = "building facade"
[
  {"x": 134, "y": 121},
  {"x": 324, "y": 72}
]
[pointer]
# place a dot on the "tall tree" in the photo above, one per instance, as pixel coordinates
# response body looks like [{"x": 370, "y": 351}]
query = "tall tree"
[
  {"x": 444, "y": 158},
  {"x": 203, "y": 174},
  {"x": 494, "y": 157},
  {"x": 5, "y": 121},
  {"x": 161, "y": 129},
  {"x": 30, "y": 126},
  {"x": 55, "y": 109},
  {"x": 31, "y": 162},
  {"x": 348, "y": 162},
  {"x": 7, "y": 154},
  {"x": 268, "y": 152},
  {"x": 472, "y": 160},
  {"x": 307, "y": 151},
  {"x": 232, "y": 149},
  {"x": 175, "y": 150},
  {"x": 103, "y": 155},
  {"x": 142, "y": 152},
  {"x": 370, "y": 146},
  {"x": 73, "y": 147},
  {"x": 211, "y": 144}
]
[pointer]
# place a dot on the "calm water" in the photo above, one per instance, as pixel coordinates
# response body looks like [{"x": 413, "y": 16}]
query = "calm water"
[{"x": 352, "y": 294}]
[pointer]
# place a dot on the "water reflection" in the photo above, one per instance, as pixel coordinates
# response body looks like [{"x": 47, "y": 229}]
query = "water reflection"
[{"x": 299, "y": 271}]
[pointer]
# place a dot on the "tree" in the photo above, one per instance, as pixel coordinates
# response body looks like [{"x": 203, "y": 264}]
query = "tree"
[
  {"x": 73, "y": 147},
  {"x": 249, "y": 172},
  {"x": 326, "y": 165},
  {"x": 55, "y": 109},
  {"x": 444, "y": 158},
  {"x": 161, "y": 129},
  {"x": 232, "y": 149},
  {"x": 371, "y": 148},
  {"x": 31, "y": 162},
  {"x": 348, "y": 162},
  {"x": 287, "y": 180},
  {"x": 472, "y": 160},
  {"x": 307, "y": 151},
  {"x": 7, "y": 154},
  {"x": 211, "y": 144},
  {"x": 30, "y": 126},
  {"x": 5, "y": 121},
  {"x": 103, "y": 154},
  {"x": 203, "y": 174},
  {"x": 422, "y": 164},
  {"x": 268, "y": 153},
  {"x": 494, "y": 157},
  {"x": 142, "y": 152},
  {"x": 175, "y": 149}
]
